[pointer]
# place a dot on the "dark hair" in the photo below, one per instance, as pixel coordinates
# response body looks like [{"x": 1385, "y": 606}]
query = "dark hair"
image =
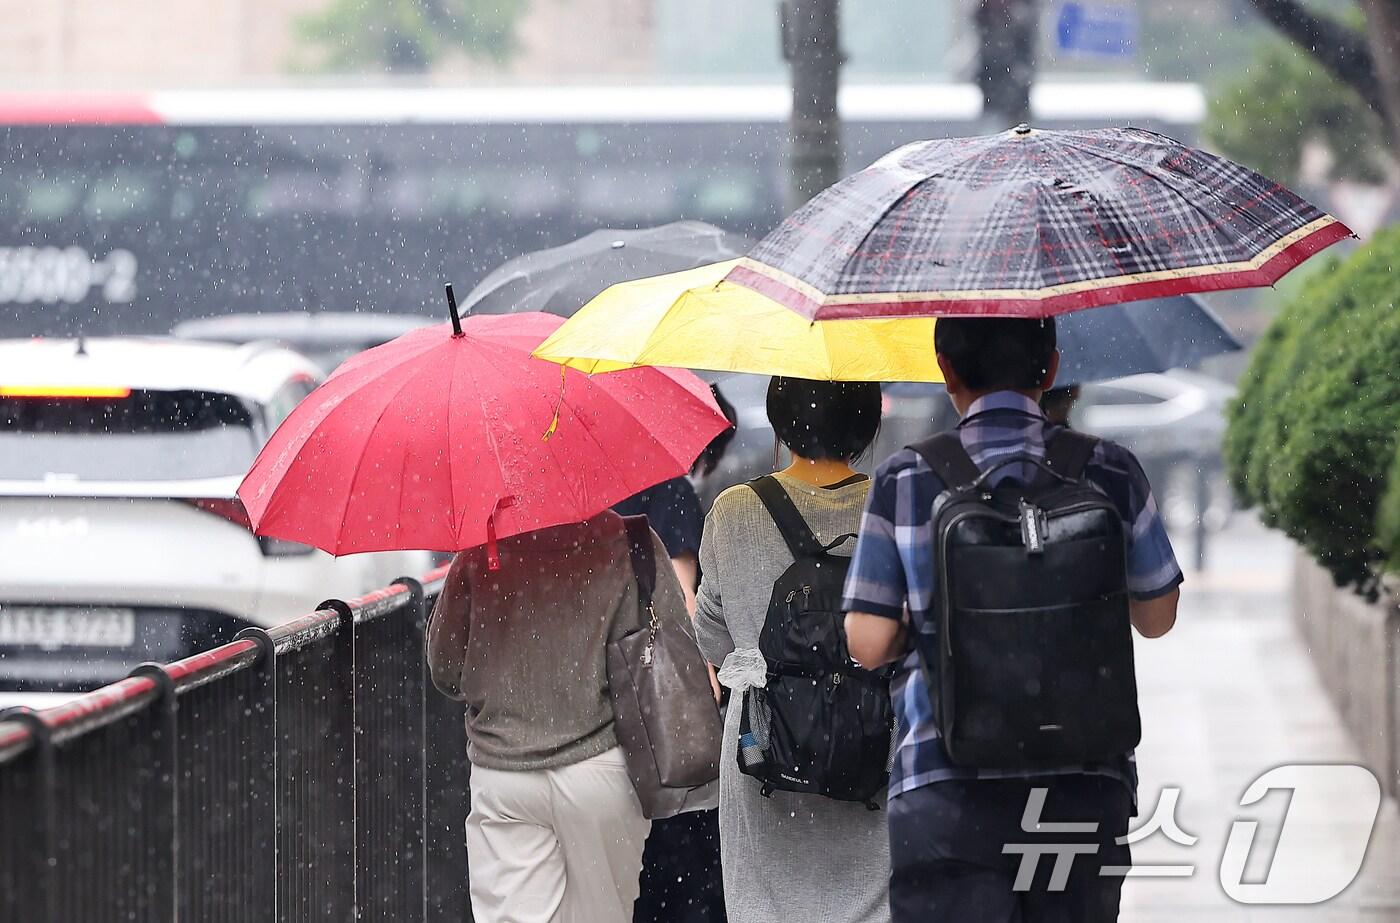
[
  {"x": 711, "y": 455},
  {"x": 1058, "y": 402},
  {"x": 824, "y": 419},
  {"x": 997, "y": 353}
]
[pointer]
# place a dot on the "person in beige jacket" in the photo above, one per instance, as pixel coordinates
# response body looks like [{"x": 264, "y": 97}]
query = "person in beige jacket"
[{"x": 555, "y": 831}]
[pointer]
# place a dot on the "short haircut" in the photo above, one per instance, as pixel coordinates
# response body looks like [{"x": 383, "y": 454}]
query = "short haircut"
[
  {"x": 997, "y": 353},
  {"x": 824, "y": 419},
  {"x": 713, "y": 453}
]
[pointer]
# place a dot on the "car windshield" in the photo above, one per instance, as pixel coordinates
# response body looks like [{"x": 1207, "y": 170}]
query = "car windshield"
[{"x": 137, "y": 436}]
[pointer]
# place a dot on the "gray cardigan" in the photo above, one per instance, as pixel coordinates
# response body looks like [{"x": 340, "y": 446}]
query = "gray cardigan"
[{"x": 525, "y": 647}]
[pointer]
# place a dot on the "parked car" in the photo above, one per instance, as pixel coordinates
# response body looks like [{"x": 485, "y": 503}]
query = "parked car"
[
  {"x": 328, "y": 338},
  {"x": 122, "y": 539}
]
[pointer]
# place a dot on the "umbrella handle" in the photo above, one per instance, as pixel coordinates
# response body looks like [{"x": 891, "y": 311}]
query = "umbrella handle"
[{"x": 452, "y": 309}]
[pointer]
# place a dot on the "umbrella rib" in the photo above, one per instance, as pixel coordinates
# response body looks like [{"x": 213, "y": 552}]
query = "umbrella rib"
[
  {"x": 453, "y": 525},
  {"x": 1158, "y": 173},
  {"x": 359, "y": 462},
  {"x": 957, "y": 160},
  {"x": 653, "y": 440},
  {"x": 490, "y": 435}
]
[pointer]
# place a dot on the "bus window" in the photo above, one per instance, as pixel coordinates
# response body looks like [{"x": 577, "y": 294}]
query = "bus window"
[
  {"x": 628, "y": 194},
  {"x": 304, "y": 191},
  {"x": 47, "y": 198},
  {"x": 119, "y": 195},
  {"x": 716, "y": 198},
  {"x": 449, "y": 191}
]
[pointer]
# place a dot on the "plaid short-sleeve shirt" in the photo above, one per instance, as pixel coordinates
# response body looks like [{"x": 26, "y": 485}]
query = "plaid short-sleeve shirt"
[{"x": 893, "y": 566}]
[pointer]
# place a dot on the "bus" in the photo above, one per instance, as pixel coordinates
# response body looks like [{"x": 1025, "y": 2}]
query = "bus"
[{"x": 127, "y": 213}]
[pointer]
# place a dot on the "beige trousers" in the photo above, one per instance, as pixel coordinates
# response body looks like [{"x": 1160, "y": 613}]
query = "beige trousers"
[{"x": 555, "y": 845}]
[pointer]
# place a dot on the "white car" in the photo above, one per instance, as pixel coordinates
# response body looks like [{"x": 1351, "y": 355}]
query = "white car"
[{"x": 122, "y": 539}]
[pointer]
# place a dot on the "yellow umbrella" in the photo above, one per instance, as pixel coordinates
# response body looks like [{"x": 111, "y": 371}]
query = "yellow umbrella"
[{"x": 693, "y": 319}]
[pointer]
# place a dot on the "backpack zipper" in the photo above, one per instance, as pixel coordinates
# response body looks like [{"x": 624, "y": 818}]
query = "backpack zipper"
[{"x": 806, "y": 596}]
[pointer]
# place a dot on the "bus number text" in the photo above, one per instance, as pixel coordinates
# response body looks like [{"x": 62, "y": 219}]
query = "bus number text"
[{"x": 48, "y": 275}]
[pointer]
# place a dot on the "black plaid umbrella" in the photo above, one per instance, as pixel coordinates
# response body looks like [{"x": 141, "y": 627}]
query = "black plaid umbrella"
[
  {"x": 1032, "y": 223},
  {"x": 561, "y": 280}
]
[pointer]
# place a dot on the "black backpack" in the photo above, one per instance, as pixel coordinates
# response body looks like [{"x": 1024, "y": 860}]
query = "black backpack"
[
  {"x": 1034, "y": 654},
  {"x": 822, "y": 725}
]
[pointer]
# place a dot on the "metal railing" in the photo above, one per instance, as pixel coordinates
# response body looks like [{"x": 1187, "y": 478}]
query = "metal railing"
[{"x": 308, "y": 772}]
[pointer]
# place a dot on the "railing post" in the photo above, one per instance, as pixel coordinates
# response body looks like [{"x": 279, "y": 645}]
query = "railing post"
[
  {"x": 447, "y": 798},
  {"x": 28, "y": 830},
  {"x": 262, "y": 753},
  {"x": 316, "y": 776},
  {"x": 389, "y": 755},
  {"x": 159, "y": 890}
]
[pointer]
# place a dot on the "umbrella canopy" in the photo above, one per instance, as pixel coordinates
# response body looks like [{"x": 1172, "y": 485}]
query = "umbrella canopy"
[
  {"x": 1139, "y": 337},
  {"x": 560, "y": 280},
  {"x": 695, "y": 319},
  {"x": 1032, "y": 223},
  {"x": 445, "y": 441}
]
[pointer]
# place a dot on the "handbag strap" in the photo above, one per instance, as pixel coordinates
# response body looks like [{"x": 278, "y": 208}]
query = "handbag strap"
[{"x": 643, "y": 555}]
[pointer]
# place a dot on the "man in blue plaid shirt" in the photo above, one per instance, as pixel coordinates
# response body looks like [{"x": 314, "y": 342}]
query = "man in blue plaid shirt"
[{"x": 948, "y": 824}]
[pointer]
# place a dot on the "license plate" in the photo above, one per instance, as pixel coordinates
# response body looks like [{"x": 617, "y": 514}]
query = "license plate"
[{"x": 52, "y": 627}]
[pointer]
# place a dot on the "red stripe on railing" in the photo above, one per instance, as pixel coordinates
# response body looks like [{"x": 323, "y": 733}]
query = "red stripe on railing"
[
  {"x": 374, "y": 596},
  {"x": 100, "y": 700},
  {"x": 208, "y": 660},
  {"x": 12, "y": 734},
  {"x": 117, "y": 694}
]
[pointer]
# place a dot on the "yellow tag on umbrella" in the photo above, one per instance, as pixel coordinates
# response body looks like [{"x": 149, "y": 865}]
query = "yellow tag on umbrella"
[{"x": 554, "y": 423}]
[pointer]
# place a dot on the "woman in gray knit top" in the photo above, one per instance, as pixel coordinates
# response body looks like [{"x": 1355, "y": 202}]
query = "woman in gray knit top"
[{"x": 789, "y": 856}]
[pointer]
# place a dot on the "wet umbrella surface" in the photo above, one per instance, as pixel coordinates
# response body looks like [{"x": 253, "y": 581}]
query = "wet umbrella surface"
[
  {"x": 696, "y": 319},
  {"x": 445, "y": 441},
  {"x": 1032, "y": 223},
  {"x": 560, "y": 280}
]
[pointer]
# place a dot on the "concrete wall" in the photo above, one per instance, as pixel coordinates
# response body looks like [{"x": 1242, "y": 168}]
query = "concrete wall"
[{"x": 1356, "y": 647}]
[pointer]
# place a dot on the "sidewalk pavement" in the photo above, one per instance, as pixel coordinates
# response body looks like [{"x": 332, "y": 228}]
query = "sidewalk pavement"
[{"x": 1229, "y": 694}]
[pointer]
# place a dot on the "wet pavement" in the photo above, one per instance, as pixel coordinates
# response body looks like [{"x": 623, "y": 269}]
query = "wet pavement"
[{"x": 1226, "y": 696}]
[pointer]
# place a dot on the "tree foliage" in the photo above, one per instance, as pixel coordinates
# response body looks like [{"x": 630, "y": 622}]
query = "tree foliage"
[
  {"x": 1313, "y": 432},
  {"x": 1283, "y": 102},
  {"x": 406, "y": 36}
]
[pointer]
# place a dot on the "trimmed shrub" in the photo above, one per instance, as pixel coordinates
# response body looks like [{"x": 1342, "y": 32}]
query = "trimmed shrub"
[
  {"x": 1259, "y": 388},
  {"x": 1388, "y": 519},
  {"x": 1313, "y": 431}
]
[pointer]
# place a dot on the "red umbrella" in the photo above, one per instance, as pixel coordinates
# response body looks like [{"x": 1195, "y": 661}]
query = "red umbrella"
[{"x": 444, "y": 440}]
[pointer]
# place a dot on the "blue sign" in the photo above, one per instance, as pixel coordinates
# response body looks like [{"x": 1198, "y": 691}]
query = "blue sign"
[{"x": 1107, "y": 30}]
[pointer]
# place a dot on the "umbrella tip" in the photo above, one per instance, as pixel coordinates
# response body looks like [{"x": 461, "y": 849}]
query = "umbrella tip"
[
  {"x": 1022, "y": 129},
  {"x": 452, "y": 309}
]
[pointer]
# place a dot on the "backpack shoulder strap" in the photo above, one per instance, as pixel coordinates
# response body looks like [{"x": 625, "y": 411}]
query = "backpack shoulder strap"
[
  {"x": 1068, "y": 452},
  {"x": 945, "y": 454},
  {"x": 643, "y": 557},
  {"x": 794, "y": 529}
]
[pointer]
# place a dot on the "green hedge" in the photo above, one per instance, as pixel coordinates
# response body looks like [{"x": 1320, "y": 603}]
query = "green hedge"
[{"x": 1313, "y": 431}]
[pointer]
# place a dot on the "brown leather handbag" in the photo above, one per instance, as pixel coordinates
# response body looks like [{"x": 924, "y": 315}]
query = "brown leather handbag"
[{"x": 667, "y": 721}]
